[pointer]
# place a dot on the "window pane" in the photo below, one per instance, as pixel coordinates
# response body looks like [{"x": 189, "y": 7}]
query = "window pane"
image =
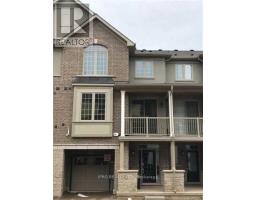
[
  {"x": 144, "y": 69},
  {"x": 99, "y": 113},
  {"x": 149, "y": 69},
  {"x": 101, "y": 63},
  {"x": 188, "y": 72},
  {"x": 139, "y": 69},
  {"x": 96, "y": 60},
  {"x": 179, "y": 73},
  {"x": 86, "y": 108},
  {"x": 89, "y": 63}
]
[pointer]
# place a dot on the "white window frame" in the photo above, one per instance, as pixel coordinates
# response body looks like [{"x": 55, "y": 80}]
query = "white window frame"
[
  {"x": 93, "y": 106},
  {"x": 183, "y": 77},
  {"x": 95, "y": 60},
  {"x": 143, "y": 64}
]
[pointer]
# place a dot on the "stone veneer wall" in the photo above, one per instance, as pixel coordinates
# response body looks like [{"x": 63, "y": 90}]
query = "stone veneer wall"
[
  {"x": 180, "y": 197},
  {"x": 58, "y": 172},
  {"x": 127, "y": 181},
  {"x": 173, "y": 180}
]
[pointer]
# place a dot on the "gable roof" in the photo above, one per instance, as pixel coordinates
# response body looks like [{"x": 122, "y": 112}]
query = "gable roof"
[{"x": 96, "y": 16}]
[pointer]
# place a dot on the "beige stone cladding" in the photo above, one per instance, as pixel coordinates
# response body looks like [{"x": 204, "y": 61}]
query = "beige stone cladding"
[
  {"x": 58, "y": 172},
  {"x": 185, "y": 197},
  {"x": 127, "y": 181},
  {"x": 172, "y": 197},
  {"x": 72, "y": 65},
  {"x": 173, "y": 180}
]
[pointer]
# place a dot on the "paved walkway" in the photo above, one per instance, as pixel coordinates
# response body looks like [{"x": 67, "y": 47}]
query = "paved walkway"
[{"x": 91, "y": 196}]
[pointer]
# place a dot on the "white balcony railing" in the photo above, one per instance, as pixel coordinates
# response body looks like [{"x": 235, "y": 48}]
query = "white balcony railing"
[
  {"x": 160, "y": 126},
  {"x": 147, "y": 126},
  {"x": 188, "y": 126}
]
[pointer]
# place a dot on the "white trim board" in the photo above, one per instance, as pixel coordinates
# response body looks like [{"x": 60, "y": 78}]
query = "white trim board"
[{"x": 97, "y": 146}]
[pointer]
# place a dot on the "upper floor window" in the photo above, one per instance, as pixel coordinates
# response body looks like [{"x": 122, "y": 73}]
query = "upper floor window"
[
  {"x": 144, "y": 69},
  {"x": 184, "y": 72},
  {"x": 93, "y": 106},
  {"x": 96, "y": 60}
]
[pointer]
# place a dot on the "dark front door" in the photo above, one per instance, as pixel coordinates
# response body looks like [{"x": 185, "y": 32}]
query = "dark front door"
[
  {"x": 193, "y": 167},
  {"x": 191, "y": 111},
  {"x": 151, "y": 111},
  {"x": 144, "y": 108},
  {"x": 148, "y": 166}
]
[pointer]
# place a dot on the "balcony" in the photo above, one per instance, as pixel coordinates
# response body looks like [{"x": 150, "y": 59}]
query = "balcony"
[
  {"x": 147, "y": 126},
  {"x": 160, "y": 126},
  {"x": 188, "y": 126},
  {"x": 160, "y": 116}
]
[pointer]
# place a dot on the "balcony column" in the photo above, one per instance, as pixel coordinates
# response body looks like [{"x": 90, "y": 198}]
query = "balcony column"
[
  {"x": 121, "y": 152},
  {"x": 170, "y": 102},
  {"x": 173, "y": 155},
  {"x": 122, "y": 112}
]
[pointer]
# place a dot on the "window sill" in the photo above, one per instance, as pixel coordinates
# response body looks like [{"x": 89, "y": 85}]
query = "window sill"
[
  {"x": 184, "y": 81},
  {"x": 95, "y": 76},
  {"x": 144, "y": 78},
  {"x": 92, "y": 121}
]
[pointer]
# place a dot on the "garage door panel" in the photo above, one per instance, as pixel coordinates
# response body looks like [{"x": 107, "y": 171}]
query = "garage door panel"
[{"x": 90, "y": 177}]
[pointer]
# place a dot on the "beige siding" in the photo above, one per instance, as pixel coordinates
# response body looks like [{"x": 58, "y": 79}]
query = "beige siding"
[
  {"x": 165, "y": 72},
  {"x": 57, "y": 59},
  {"x": 159, "y": 71},
  {"x": 87, "y": 129},
  {"x": 197, "y": 72}
]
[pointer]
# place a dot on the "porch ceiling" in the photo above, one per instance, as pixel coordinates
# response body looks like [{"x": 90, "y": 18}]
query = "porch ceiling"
[
  {"x": 177, "y": 88},
  {"x": 160, "y": 138}
]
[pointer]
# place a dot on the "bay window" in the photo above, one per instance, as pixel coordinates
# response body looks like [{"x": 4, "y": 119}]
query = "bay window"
[{"x": 93, "y": 106}]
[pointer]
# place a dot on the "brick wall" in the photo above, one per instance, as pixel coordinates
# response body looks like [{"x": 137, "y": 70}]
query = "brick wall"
[{"x": 72, "y": 65}]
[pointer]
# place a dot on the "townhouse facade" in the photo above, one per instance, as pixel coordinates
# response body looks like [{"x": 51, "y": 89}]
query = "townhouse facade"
[{"x": 128, "y": 122}]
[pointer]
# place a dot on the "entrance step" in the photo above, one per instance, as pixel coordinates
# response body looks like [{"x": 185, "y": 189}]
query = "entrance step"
[{"x": 154, "y": 198}]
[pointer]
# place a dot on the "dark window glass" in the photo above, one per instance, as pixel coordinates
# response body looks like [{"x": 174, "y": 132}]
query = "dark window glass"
[
  {"x": 99, "y": 107},
  {"x": 86, "y": 110}
]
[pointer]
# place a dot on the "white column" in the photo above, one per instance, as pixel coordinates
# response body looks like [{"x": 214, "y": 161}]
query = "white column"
[
  {"x": 170, "y": 101},
  {"x": 122, "y": 112}
]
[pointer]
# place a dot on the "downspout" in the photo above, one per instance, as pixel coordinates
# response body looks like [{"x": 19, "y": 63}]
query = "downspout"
[
  {"x": 174, "y": 147},
  {"x": 68, "y": 133},
  {"x": 172, "y": 131}
]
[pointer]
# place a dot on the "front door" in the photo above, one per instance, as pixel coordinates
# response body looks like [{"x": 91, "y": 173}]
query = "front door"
[
  {"x": 144, "y": 108},
  {"x": 191, "y": 111},
  {"x": 151, "y": 111},
  {"x": 193, "y": 167},
  {"x": 148, "y": 166}
]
